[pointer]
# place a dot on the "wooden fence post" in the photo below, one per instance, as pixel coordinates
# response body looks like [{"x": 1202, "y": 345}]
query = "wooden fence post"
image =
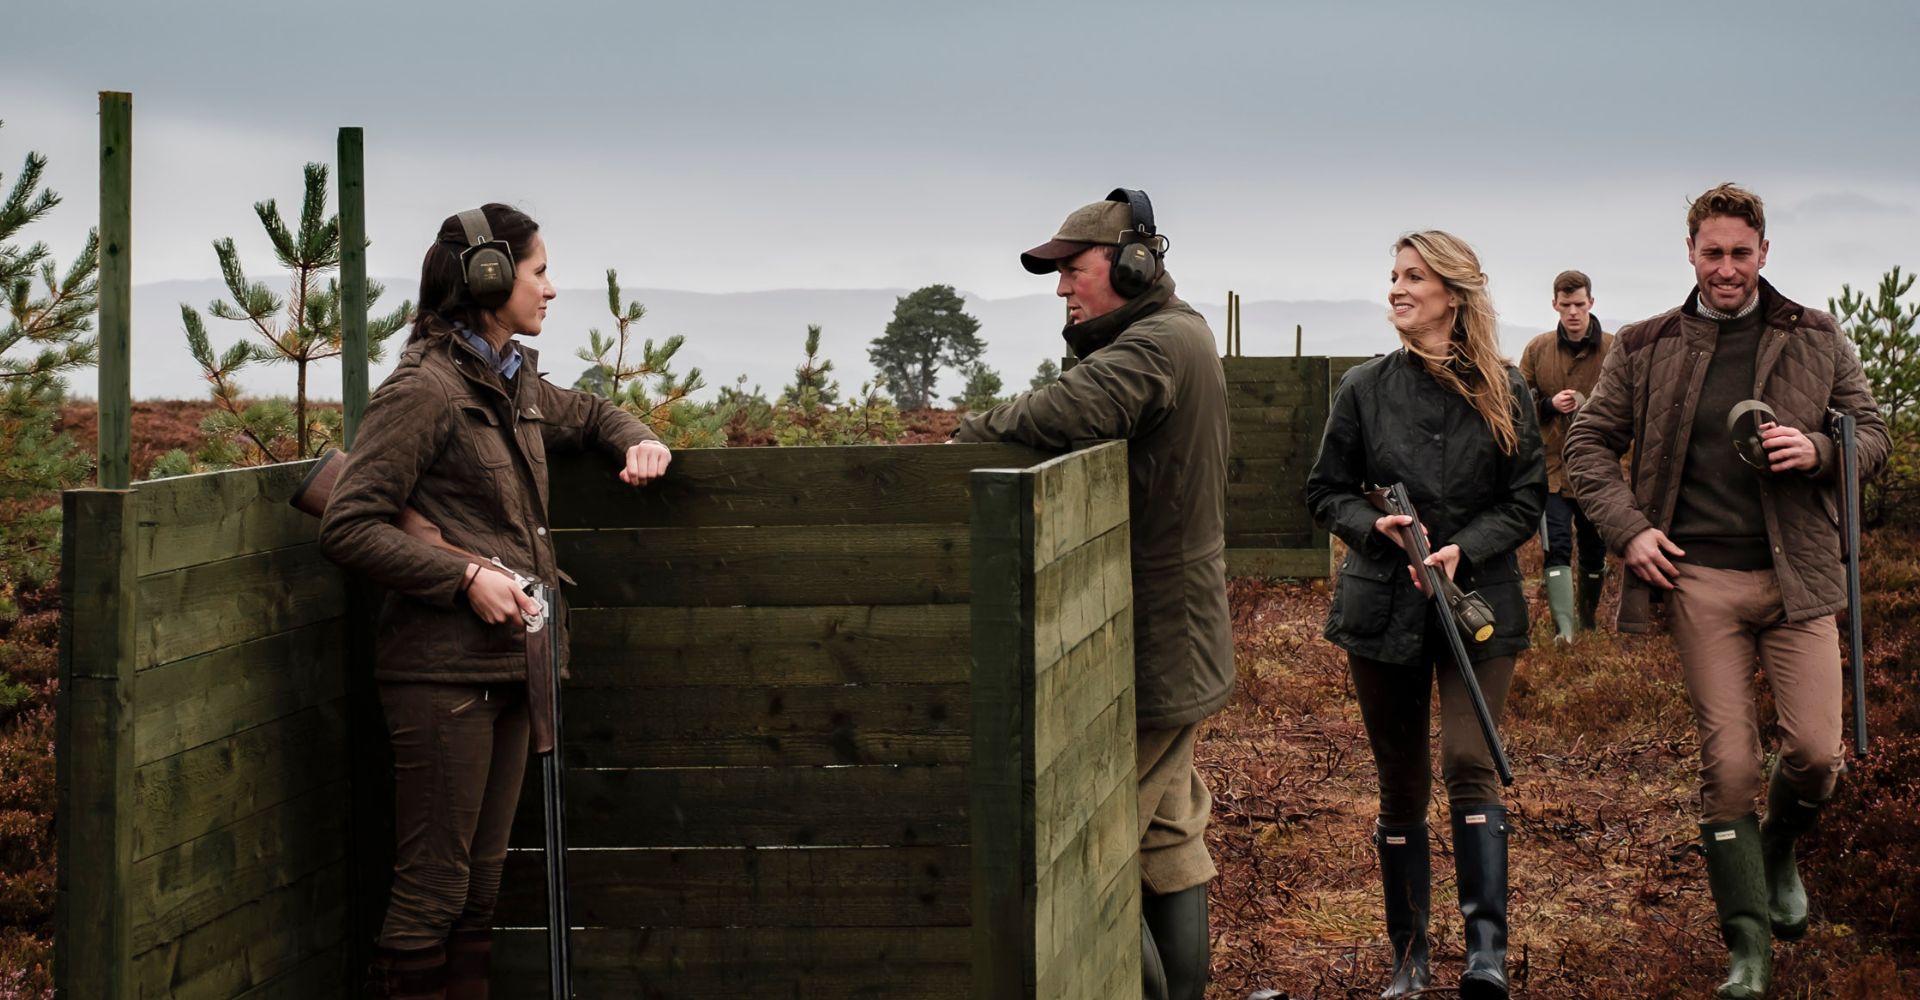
[
  {"x": 353, "y": 280},
  {"x": 115, "y": 447},
  {"x": 1002, "y": 522},
  {"x": 93, "y": 759}
]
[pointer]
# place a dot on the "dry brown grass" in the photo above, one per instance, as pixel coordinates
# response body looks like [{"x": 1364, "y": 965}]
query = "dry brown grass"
[{"x": 1608, "y": 890}]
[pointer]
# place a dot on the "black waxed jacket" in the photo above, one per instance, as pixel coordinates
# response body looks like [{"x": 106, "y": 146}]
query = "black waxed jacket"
[{"x": 1392, "y": 422}]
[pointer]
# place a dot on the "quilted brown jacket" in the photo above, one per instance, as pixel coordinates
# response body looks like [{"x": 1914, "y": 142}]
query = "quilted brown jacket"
[
  {"x": 1648, "y": 390},
  {"x": 1549, "y": 365},
  {"x": 445, "y": 435}
]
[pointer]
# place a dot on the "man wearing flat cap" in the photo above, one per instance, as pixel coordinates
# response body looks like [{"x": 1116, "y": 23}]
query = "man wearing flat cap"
[{"x": 1149, "y": 373}]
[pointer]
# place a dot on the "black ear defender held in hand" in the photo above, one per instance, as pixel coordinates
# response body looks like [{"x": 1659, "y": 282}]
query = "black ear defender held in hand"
[
  {"x": 486, "y": 262},
  {"x": 1136, "y": 261},
  {"x": 1743, "y": 426}
]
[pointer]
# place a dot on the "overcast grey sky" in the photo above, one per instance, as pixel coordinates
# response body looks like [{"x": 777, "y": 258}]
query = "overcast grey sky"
[{"x": 723, "y": 146}]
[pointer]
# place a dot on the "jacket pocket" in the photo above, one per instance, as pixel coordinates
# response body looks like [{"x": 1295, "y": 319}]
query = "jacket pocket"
[
  {"x": 482, "y": 433},
  {"x": 1363, "y": 599}
]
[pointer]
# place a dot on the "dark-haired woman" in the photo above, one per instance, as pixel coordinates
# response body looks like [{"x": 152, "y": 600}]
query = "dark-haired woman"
[
  {"x": 460, "y": 433},
  {"x": 1447, "y": 416}
]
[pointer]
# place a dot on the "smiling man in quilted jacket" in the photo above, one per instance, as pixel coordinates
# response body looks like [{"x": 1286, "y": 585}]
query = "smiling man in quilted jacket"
[{"x": 1737, "y": 537}]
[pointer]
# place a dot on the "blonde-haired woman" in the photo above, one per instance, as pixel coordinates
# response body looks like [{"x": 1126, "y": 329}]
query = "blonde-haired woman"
[{"x": 1446, "y": 415}]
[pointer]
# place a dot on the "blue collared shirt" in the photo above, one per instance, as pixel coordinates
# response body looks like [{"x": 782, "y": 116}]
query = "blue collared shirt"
[{"x": 508, "y": 366}]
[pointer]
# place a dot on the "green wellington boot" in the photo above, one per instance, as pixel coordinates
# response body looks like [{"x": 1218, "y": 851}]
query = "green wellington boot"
[
  {"x": 1560, "y": 601},
  {"x": 1590, "y": 586},
  {"x": 1788, "y": 817},
  {"x": 1738, "y": 878}
]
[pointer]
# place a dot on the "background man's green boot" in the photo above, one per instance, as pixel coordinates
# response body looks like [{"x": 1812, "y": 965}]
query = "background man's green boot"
[
  {"x": 1560, "y": 601},
  {"x": 1590, "y": 586},
  {"x": 1788, "y": 817},
  {"x": 1738, "y": 879}
]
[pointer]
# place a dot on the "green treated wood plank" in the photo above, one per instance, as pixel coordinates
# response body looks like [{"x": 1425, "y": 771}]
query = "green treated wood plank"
[
  {"x": 766, "y": 726},
  {"x": 792, "y": 646},
  {"x": 1282, "y": 473},
  {"x": 891, "y": 484},
  {"x": 186, "y": 612},
  {"x": 756, "y": 807},
  {"x": 1073, "y": 691},
  {"x": 185, "y": 703},
  {"x": 1079, "y": 778},
  {"x": 115, "y": 338},
  {"x": 898, "y": 963},
  {"x": 806, "y": 887},
  {"x": 1295, "y": 445},
  {"x": 1266, "y": 517},
  {"x": 189, "y": 886},
  {"x": 1101, "y": 955},
  {"x": 1000, "y": 811},
  {"x": 196, "y": 792},
  {"x": 1070, "y": 887},
  {"x": 1275, "y": 417},
  {"x": 326, "y": 976},
  {"x": 785, "y": 566},
  {"x": 1256, "y": 394},
  {"x": 1076, "y": 594},
  {"x": 1271, "y": 368},
  {"x": 1302, "y": 563},
  {"x": 220, "y": 515},
  {"x": 94, "y": 740},
  {"x": 1078, "y": 497},
  {"x": 251, "y": 946}
]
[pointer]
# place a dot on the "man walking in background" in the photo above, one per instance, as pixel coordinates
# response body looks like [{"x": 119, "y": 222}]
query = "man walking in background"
[
  {"x": 1149, "y": 373},
  {"x": 1727, "y": 521},
  {"x": 1561, "y": 367}
]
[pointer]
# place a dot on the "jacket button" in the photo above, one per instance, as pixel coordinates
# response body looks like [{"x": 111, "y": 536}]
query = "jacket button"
[{"x": 539, "y": 531}]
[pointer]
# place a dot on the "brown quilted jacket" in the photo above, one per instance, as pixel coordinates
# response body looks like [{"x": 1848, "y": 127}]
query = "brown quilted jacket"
[
  {"x": 1648, "y": 390},
  {"x": 1548, "y": 367},
  {"x": 444, "y": 435}
]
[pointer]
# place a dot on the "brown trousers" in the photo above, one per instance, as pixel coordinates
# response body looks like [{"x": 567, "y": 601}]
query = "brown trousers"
[
  {"x": 459, "y": 752},
  {"x": 1395, "y": 704},
  {"x": 1722, "y": 621},
  {"x": 1174, "y": 805}
]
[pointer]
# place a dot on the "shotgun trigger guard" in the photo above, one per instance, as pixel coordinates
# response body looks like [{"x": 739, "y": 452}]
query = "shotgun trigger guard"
[{"x": 531, "y": 588}]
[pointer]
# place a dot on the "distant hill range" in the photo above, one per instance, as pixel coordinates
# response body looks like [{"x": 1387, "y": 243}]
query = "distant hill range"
[{"x": 758, "y": 334}]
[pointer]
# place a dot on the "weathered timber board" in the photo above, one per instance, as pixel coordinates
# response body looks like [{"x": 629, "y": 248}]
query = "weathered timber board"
[
  {"x": 747, "y": 646},
  {"x": 210, "y": 876},
  {"x": 197, "y": 791},
  {"x": 742, "y": 726},
  {"x": 186, "y": 703},
  {"x": 747, "y": 887},
  {"x": 756, "y": 807},
  {"x": 252, "y": 945},
  {"x": 818, "y": 963},
  {"x": 219, "y": 515},
  {"x": 903, "y": 484},
  {"x": 201, "y": 608},
  {"x": 786, "y": 566}
]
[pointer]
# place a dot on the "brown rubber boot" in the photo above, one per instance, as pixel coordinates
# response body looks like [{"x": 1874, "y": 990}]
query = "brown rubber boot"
[
  {"x": 469, "y": 963},
  {"x": 407, "y": 974}
]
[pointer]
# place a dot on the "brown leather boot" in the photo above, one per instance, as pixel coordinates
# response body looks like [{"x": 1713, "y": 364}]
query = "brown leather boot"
[
  {"x": 469, "y": 963},
  {"x": 407, "y": 974}
]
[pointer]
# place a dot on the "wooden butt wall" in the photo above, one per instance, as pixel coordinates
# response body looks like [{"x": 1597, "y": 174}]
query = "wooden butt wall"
[
  {"x": 779, "y": 776},
  {"x": 203, "y": 760},
  {"x": 1277, "y": 411}
]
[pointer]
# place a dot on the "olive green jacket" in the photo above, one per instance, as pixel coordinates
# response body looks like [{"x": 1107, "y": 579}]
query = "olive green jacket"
[{"x": 1149, "y": 373}]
